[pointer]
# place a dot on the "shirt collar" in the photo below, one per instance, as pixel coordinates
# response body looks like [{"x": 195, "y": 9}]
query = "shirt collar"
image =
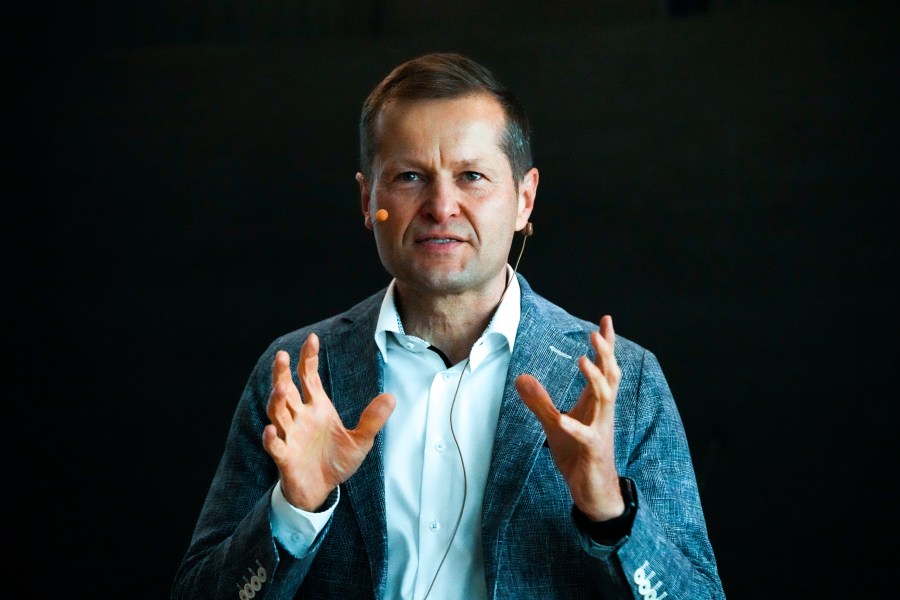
[
  {"x": 388, "y": 320},
  {"x": 501, "y": 330}
]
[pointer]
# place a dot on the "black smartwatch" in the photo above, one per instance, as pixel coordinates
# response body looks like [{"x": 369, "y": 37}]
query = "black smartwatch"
[{"x": 611, "y": 531}]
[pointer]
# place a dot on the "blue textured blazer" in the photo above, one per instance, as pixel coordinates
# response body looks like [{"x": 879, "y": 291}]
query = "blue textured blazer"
[{"x": 532, "y": 547}]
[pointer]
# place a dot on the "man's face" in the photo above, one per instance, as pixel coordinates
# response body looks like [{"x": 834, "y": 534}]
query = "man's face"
[{"x": 447, "y": 185}]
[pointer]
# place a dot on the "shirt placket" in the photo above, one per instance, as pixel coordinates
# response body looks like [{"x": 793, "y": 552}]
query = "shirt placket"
[{"x": 442, "y": 480}]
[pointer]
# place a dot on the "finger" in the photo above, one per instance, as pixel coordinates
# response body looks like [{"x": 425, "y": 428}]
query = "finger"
[
  {"x": 308, "y": 369},
  {"x": 283, "y": 386},
  {"x": 588, "y": 406},
  {"x": 374, "y": 417},
  {"x": 280, "y": 414},
  {"x": 606, "y": 329},
  {"x": 281, "y": 369},
  {"x": 575, "y": 428},
  {"x": 604, "y": 342},
  {"x": 607, "y": 373},
  {"x": 537, "y": 400},
  {"x": 597, "y": 395},
  {"x": 273, "y": 443}
]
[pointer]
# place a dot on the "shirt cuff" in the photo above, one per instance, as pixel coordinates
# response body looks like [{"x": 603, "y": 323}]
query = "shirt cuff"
[{"x": 296, "y": 528}]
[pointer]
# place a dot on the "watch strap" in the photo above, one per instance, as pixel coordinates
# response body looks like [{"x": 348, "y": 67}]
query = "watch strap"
[{"x": 612, "y": 530}]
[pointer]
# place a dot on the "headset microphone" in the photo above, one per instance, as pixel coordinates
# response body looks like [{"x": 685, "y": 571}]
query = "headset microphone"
[
  {"x": 527, "y": 231},
  {"x": 381, "y": 215}
]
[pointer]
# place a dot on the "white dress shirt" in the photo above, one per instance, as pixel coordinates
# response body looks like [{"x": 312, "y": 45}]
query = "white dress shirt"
[{"x": 435, "y": 473}]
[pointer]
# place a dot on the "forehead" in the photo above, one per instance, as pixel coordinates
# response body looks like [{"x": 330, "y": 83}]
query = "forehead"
[{"x": 473, "y": 118}]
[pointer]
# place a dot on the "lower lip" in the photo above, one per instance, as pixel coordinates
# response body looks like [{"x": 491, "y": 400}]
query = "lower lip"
[{"x": 439, "y": 246}]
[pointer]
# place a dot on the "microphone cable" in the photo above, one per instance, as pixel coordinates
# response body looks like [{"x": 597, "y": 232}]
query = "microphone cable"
[{"x": 526, "y": 233}]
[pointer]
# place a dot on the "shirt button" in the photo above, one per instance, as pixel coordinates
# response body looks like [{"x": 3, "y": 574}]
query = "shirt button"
[
  {"x": 434, "y": 526},
  {"x": 439, "y": 446},
  {"x": 410, "y": 345},
  {"x": 448, "y": 376}
]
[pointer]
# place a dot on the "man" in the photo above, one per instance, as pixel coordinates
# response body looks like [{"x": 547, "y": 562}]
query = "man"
[{"x": 455, "y": 435}]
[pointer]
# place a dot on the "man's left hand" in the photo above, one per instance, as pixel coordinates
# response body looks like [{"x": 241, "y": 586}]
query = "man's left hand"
[{"x": 581, "y": 441}]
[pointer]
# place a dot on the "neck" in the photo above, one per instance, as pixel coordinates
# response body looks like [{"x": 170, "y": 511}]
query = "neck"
[{"x": 451, "y": 322}]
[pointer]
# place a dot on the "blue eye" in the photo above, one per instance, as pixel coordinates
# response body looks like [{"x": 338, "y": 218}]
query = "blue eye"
[
  {"x": 472, "y": 176},
  {"x": 409, "y": 176}
]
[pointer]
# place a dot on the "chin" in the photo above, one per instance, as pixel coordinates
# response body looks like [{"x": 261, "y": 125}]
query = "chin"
[{"x": 444, "y": 282}]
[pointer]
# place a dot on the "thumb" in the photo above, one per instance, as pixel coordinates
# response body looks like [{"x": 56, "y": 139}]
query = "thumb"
[
  {"x": 537, "y": 399},
  {"x": 375, "y": 416}
]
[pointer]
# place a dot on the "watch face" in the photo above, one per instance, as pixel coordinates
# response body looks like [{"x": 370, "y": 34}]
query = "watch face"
[{"x": 629, "y": 494}]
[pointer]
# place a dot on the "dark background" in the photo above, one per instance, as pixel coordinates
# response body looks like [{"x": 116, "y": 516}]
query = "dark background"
[{"x": 720, "y": 177}]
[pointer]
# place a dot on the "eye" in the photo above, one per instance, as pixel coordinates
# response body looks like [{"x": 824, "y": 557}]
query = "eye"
[
  {"x": 409, "y": 176},
  {"x": 472, "y": 176}
]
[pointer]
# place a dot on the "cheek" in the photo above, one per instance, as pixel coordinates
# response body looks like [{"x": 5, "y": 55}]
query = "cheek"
[
  {"x": 503, "y": 223},
  {"x": 391, "y": 231},
  {"x": 399, "y": 204}
]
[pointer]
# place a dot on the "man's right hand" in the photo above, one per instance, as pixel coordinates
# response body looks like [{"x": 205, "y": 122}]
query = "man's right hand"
[{"x": 312, "y": 449}]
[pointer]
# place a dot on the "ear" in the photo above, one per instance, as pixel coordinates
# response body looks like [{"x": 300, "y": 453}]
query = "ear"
[
  {"x": 527, "y": 193},
  {"x": 365, "y": 196}
]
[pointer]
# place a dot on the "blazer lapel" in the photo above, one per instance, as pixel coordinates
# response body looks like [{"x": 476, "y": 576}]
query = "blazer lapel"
[
  {"x": 542, "y": 349},
  {"x": 354, "y": 370}
]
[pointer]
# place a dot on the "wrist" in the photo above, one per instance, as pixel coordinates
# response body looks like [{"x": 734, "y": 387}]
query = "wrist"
[
  {"x": 610, "y": 531},
  {"x": 305, "y": 502}
]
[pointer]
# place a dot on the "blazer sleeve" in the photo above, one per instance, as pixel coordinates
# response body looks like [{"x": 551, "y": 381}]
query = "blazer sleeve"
[
  {"x": 233, "y": 552},
  {"x": 668, "y": 553}
]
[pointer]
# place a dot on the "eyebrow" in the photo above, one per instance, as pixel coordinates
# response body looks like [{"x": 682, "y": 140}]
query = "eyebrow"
[
  {"x": 469, "y": 163},
  {"x": 476, "y": 164}
]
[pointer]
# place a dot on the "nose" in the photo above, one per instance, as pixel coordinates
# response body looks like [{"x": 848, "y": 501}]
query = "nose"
[{"x": 441, "y": 202}]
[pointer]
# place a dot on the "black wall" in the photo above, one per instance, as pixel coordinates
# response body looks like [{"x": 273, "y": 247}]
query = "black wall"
[{"x": 719, "y": 179}]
